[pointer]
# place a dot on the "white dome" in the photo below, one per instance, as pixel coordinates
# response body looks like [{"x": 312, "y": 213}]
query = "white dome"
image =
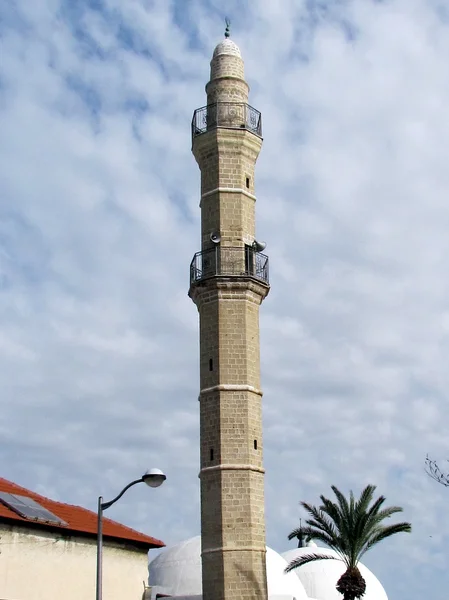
[
  {"x": 227, "y": 46},
  {"x": 280, "y": 583},
  {"x": 177, "y": 571},
  {"x": 320, "y": 578}
]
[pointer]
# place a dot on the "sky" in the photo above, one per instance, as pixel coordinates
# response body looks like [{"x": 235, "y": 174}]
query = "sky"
[{"x": 99, "y": 219}]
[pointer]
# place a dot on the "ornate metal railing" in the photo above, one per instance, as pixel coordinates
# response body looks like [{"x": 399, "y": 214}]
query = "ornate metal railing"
[
  {"x": 230, "y": 115},
  {"x": 229, "y": 261}
]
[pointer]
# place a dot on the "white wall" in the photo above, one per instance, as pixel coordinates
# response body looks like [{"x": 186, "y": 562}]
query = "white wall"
[{"x": 48, "y": 566}]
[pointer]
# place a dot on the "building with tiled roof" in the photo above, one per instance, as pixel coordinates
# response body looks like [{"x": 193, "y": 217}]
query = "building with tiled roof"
[{"x": 48, "y": 550}]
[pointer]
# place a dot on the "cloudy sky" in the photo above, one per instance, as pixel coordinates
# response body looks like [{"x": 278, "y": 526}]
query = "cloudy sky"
[{"x": 99, "y": 219}]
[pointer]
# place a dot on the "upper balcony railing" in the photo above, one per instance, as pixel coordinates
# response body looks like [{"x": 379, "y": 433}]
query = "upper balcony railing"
[
  {"x": 229, "y": 115},
  {"x": 229, "y": 261}
]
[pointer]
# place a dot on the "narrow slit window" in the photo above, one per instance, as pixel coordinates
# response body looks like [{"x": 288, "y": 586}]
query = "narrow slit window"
[
  {"x": 255, "y": 444},
  {"x": 211, "y": 364},
  {"x": 247, "y": 182},
  {"x": 212, "y": 454}
]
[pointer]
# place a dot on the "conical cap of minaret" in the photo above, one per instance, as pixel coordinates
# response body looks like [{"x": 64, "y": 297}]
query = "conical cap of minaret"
[{"x": 227, "y": 75}]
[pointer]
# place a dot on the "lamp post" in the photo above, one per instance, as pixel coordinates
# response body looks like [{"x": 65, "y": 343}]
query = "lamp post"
[{"x": 153, "y": 478}]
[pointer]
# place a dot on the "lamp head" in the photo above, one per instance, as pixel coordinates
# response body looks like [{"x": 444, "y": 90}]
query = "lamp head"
[{"x": 154, "y": 478}]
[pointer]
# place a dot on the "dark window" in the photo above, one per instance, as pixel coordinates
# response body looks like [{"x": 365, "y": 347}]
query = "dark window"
[
  {"x": 211, "y": 364},
  {"x": 255, "y": 444},
  {"x": 247, "y": 182},
  {"x": 212, "y": 454}
]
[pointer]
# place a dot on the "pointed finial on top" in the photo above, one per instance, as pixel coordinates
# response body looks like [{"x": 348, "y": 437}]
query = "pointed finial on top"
[{"x": 228, "y": 25}]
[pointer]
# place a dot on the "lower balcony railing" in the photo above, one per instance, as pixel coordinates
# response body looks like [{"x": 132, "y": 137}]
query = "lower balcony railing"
[{"x": 230, "y": 261}]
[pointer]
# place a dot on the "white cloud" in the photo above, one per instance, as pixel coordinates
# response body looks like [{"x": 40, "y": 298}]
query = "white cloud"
[{"x": 99, "y": 219}]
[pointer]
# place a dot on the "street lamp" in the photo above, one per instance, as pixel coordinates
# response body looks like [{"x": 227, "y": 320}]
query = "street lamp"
[{"x": 153, "y": 478}]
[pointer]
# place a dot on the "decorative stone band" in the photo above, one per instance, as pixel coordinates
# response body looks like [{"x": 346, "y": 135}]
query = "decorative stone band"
[
  {"x": 242, "y": 549},
  {"x": 231, "y": 467},
  {"x": 230, "y": 387},
  {"x": 229, "y": 288},
  {"x": 228, "y": 190}
]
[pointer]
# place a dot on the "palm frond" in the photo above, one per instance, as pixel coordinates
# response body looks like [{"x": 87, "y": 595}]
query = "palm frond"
[
  {"x": 307, "y": 558},
  {"x": 319, "y": 520},
  {"x": 344, "y": 506},
  {"x": 388, "y": 512},
  {"x": 295, "y": 533},
  {"x": 365, "y": 498},
  {"x": 319, "y": 536},
  {"x": 322, "y": 530},
  {"x": 384, "y": 532},
  {"x": 365, "y": 517},
  {"x": 333, "y": 511},
  {"x": 345, "y": 510},
  {"x": 371, "y": 516}
]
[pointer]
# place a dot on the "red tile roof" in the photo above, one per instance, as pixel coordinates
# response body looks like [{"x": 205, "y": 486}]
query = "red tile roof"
[{"x": 78, "y": 519}]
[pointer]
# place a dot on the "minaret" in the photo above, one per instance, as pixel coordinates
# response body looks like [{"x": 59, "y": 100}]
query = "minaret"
[{"x": 228, "y": 281}]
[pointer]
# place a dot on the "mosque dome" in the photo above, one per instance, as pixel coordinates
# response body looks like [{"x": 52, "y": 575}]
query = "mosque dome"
[
  {"x": 176, "y": 571},
  {"x": 319, "y": 578},
  {"x": 280, "y": 583},
  {"x": 227, "y": 46}
]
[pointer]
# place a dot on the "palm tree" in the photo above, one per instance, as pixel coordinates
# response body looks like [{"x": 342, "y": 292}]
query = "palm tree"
[{"x": 350, "y": 528}]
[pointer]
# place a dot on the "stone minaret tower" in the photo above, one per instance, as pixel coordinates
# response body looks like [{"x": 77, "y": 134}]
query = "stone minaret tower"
[{"x": 228, "y": 281}]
